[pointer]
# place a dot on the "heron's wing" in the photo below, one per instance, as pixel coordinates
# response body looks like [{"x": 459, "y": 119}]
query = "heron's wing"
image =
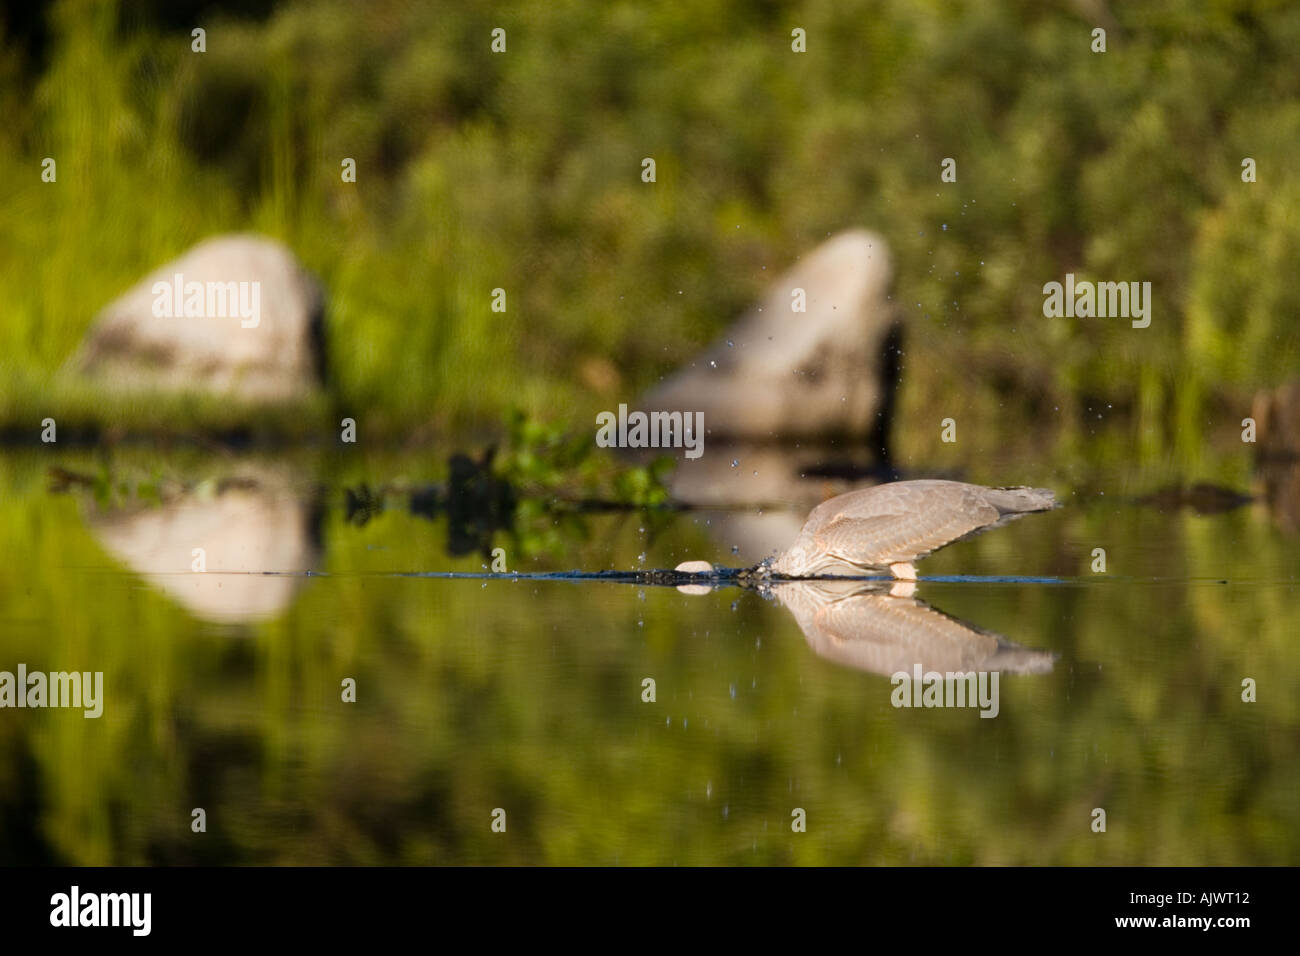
[
  {"x": 901, "y": 522},
  {"x": 881, "y": 540}
]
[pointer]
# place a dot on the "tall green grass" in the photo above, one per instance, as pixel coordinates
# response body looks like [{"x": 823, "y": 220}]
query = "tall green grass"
[{"x": 522, "y": 171}]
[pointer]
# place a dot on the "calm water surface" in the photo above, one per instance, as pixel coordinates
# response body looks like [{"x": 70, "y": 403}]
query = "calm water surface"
[{"x": 224, "y": 691}]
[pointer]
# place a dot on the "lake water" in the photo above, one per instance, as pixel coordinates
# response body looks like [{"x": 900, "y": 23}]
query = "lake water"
[{"x": 521, "y": 701}]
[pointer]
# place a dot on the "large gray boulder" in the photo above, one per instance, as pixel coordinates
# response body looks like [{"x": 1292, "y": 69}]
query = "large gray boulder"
[
  {"x": 778, "y": 373},
  {"x": 236, "y": 315}
]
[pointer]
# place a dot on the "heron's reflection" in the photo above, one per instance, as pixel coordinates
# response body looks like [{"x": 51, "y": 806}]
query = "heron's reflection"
[{"x": 885, "y": 629}]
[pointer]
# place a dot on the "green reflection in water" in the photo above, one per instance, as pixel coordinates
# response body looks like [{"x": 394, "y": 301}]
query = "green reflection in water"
[{"x": 474, "y": 695}]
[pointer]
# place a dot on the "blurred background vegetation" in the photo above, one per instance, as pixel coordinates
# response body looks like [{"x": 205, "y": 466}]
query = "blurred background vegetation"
[{"x": 522, "y": 170}]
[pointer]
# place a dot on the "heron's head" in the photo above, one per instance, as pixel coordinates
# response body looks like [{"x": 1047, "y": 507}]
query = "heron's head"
[{"x": 794, "y": 562}]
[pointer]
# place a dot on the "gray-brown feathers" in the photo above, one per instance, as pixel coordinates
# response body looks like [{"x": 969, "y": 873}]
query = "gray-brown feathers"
[{"x": 873, "y": 528}]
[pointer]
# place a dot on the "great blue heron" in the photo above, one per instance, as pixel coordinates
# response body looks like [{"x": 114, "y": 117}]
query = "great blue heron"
[{"x": 888, "y": 527}]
